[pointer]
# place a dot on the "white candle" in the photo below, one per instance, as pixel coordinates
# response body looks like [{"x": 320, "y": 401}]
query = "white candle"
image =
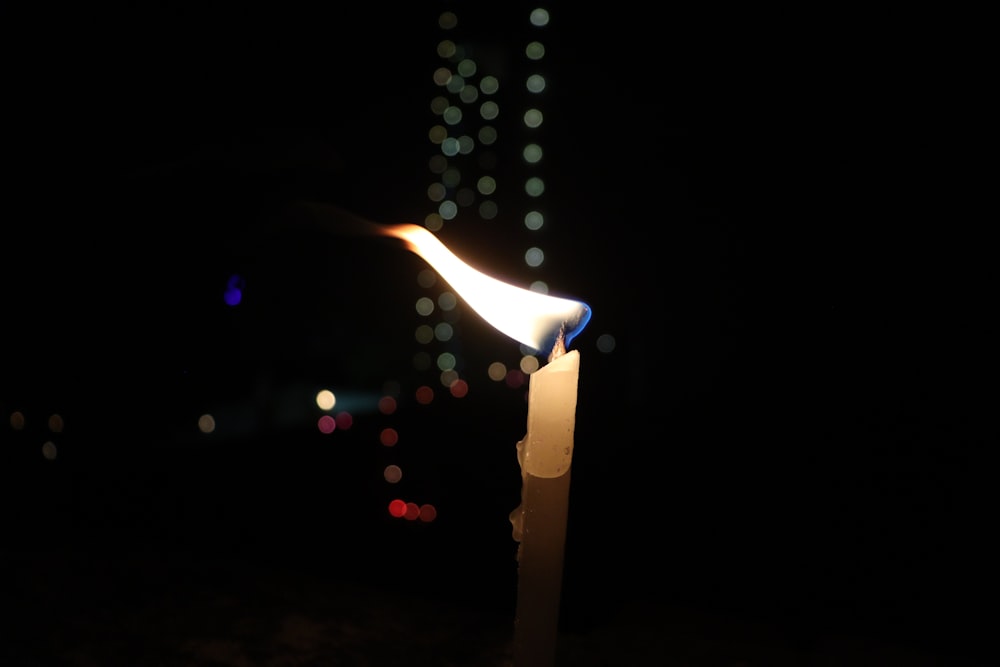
[{"x": 545, "y": 455}]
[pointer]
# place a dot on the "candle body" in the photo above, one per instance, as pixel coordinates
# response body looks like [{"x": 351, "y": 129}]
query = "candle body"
[{"x": 539, "y": 523}]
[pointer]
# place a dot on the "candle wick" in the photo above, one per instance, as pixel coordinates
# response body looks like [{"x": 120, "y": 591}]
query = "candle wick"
[{"x": 559, "y": 347}]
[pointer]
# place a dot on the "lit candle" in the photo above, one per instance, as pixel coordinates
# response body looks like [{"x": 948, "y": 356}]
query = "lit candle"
[{"x": 545, "y": 455}]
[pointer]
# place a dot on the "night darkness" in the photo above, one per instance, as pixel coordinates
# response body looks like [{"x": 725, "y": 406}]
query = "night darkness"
[{"x": 796, "y": 425}]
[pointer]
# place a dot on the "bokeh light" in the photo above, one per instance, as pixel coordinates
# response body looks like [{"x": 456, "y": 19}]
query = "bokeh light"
[
  {"x": 397, "y": 508},
  {"x": 489, "y": 84},
  {"x": 539, "y": 17},
  {"x": 452, "y": 115},
  {"x": 233, "y": 293},
  {"x": 424, "y": 334},
  {"x": 515, "y": 378},
  {"x": 392, "y": 474},
  {"x": 443, "y": 331},
  {"x": 455, "y": 84},
  {"x": 433, "y": 222},
  {"x": 488, "y": 210},
  {"x": 442, "y": 75},
  {"x": 387, "y": 405},
  {"x": 451, "y": 177},
  {"x": 486, "y": 185},
  {"x": 446, "y": 361},
  {"x": 465, "y": 197},
  {"x": 327, "y": 424},
  {"x": 533, "y": 118},
  {"x": 497, "y": 371},
  {"x": 487, "y": 135},
  {"x": 427, "y": 513},
  {"x": 426, "y": 278},
  {"x": 534, "y": 257},
  {"x": 424, "y": 395},
  {"x": 534, "y": 186},
  {"x": 436, "y": 192},
  {"x": 424, "y": 306},
  {"x": 325, "y": 399},
  {"x": 437, "y": 134},
  {"x": 449, "y": 377},
  {"x": 446, "y": 48},
  {"x": 469, "y": 94},
  {"x": 206, "y": 423},
  {"x": 489, "y": 110},
  {"x": 344, "y": 420},
  {"x": 56, "y": 423},
  {"x": 388, "y": 437},
  {"x": 448, "y": 209},
  {"x": 529, "y": 364}
]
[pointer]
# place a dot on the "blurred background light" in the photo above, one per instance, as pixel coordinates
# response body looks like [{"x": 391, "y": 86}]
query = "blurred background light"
[
  {"x": 534, "y": 220},
  {"x": 534, "y": 186},
  {"x": 325, "y": 399},
  {"x": 327, "y": 424}
]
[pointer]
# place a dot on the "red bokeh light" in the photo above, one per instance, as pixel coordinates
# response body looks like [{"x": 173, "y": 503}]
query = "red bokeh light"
[
  {"x": 345, "y": 420},
  {"x": 388, "y": 437},
  {"x": 387, "y": 405},
  {"x": 412, "y": 512},
  {"x": 327, "y": 424},
  {"x": 397, "y": 508},
  {"x": 459, "y": 388},
  {"x": 428, "y": 512},
  {"x": 424, "y": 395},
  {"x": 514, "y": 379}
]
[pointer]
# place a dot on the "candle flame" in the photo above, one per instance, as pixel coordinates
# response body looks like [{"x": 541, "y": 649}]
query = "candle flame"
[{"x": 540, "y": 321}]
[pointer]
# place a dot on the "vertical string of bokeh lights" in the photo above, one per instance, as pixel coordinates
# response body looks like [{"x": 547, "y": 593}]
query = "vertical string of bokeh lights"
[{"x": 466, "y": 108}]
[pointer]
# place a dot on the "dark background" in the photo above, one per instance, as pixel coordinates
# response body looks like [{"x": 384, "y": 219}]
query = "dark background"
[{"x": 796, "y": 421}]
